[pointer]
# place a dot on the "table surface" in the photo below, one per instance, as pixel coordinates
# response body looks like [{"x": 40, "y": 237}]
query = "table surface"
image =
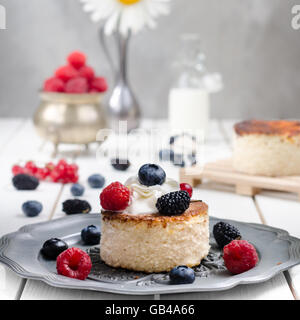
[{"x": 19, "y": 142}]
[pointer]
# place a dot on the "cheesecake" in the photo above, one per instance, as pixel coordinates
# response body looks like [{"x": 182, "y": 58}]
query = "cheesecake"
[
  {"x": 268, "y": 148},
  {"x": 141, "y": 238}
]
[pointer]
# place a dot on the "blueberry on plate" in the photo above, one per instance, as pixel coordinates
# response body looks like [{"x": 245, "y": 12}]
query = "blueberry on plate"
[
  {"x": 166, "y": 155},
  {"x": 32, "y": 208},
  {"x": 120, "y": 164},
  {"x": 182, "y": 275},
  {"x": 77, "y": 190},
  {"x": 151, "y": 174},
  {"x": 90, "y": 235},
  {"x": 53, "y": 247},
  {"x": 25, "y": 182},
  {"x": 96, "y": 181}
]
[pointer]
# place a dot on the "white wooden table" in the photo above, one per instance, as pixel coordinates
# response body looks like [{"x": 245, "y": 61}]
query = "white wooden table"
[{"x": 18, "y": 141}]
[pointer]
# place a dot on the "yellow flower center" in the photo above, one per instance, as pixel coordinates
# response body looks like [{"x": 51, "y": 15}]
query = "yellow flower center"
[{"x": 129, "y": 2}]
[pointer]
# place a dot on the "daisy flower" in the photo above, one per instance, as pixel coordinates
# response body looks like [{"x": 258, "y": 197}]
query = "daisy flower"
[{"x": 126, "y": 15}]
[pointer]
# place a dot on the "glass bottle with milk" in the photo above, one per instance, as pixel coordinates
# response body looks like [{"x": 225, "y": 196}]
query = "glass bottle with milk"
[{"x": 189, "y": 98}]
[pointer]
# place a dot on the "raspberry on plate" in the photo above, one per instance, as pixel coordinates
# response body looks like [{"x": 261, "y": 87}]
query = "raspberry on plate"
[
  {"x": 77, "y": 59},
  {"x": 115, "y": 197},
  {"x": 99, "y": 84},
  {"x": 87, "y": 73},
  {"x": 54, "y": 84},
  {"x": 240, "y": 256},
  {"x": 74, "y": 263},
  {"x": 77, "y": 85},
  {"x": 65, "y": 73}
]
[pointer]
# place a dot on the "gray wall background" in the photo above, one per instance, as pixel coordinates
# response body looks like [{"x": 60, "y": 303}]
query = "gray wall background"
[{"x": 251, "y": 42}]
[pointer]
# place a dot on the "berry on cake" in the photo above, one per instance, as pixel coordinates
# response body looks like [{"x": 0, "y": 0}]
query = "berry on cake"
[{"x": 149, "y": 224}]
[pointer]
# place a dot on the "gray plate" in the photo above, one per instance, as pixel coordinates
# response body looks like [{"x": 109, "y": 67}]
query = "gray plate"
[{"x": 20, "y": 251}]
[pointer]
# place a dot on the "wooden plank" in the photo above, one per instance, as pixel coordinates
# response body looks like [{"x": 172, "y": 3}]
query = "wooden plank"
[
  {"x": 22, "y": 144},
  {"x": 222, "y": 171}
]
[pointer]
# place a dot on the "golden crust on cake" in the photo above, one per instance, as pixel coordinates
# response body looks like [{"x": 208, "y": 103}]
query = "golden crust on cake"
[
  {"x": 155, "y": 243},
  {"x": 196, "y": 208},
  {"x": 273, "y": 127}
]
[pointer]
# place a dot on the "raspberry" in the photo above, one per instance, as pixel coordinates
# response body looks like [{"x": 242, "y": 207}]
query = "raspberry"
[
  {"x": 115, "y": 197},
  {"x": 173, "y": 203},
  {"x": 99, "y": 84},
  {"x": 187, "y": 187},
  {"x": 74, "y": 263},
  {"x": 224, "y": 233},
  {"x": 239, "y": 256},
  {"x": 77, "y": 85},
  {"x": 87, "y": 73},
  {"x": 77, "y": 59},
  {"x": 54, "y": 85},
  {"x": 66, "y": 73}
]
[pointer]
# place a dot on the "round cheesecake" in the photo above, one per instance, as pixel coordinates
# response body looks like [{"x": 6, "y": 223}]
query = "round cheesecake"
[
  {"x": 154, "y": 242},
  {"x": 269, "y": 148}
]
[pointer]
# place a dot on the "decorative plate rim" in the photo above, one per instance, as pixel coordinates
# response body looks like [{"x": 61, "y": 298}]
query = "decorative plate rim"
[{"x": 64, "y": 282}]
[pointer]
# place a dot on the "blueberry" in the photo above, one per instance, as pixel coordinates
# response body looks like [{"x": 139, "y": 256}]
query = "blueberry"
[
  {"x": 120, "y": 164},
  {"x": 96, "y": 181},
  {"x": 90, "y": 235},
  {"x": 53, "y": 247},
  {"x": 182, "y": 275},
  {"x": 151, "y": 174},
  {"x": 32, "y": 208},
  {"x": 166, "y": 155},
  {"x": 77, "y": 190}
]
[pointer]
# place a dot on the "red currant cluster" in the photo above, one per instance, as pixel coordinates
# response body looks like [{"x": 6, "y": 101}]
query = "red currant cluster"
[{"x": 62, "y": 172}]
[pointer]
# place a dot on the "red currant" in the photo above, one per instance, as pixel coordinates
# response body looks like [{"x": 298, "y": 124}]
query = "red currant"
[
  {"x": 16, "y": 169},
  {"x": 186, "y": 187}
]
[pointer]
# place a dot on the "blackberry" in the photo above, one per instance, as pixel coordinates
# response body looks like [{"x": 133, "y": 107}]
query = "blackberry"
[
  {"x": 74, "y": 206},
  {"x": 224, "y": 233},
  {"x": 120, "y": 164},
  {"x": 25, "y": 182},
  {"x": 173, "y": 203}
]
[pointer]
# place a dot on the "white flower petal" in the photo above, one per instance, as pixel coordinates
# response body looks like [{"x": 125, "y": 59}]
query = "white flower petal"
[{"x": 132, "y": 17}]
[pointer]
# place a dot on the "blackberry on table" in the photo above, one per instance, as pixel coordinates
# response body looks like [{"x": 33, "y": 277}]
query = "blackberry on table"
[
  {"x": 25, "y": 182},
  {"x": 173, "y": 203},
  {"x": 224, "y": 233},
  {"x": 74, "y": 206}
]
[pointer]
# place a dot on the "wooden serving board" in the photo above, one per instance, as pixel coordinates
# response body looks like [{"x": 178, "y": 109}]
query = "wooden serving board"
[{"x": 223, "y": 172}]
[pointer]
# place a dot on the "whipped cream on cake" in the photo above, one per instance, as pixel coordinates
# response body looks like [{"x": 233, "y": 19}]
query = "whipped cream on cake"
[{"x": 144, "y": 198}]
